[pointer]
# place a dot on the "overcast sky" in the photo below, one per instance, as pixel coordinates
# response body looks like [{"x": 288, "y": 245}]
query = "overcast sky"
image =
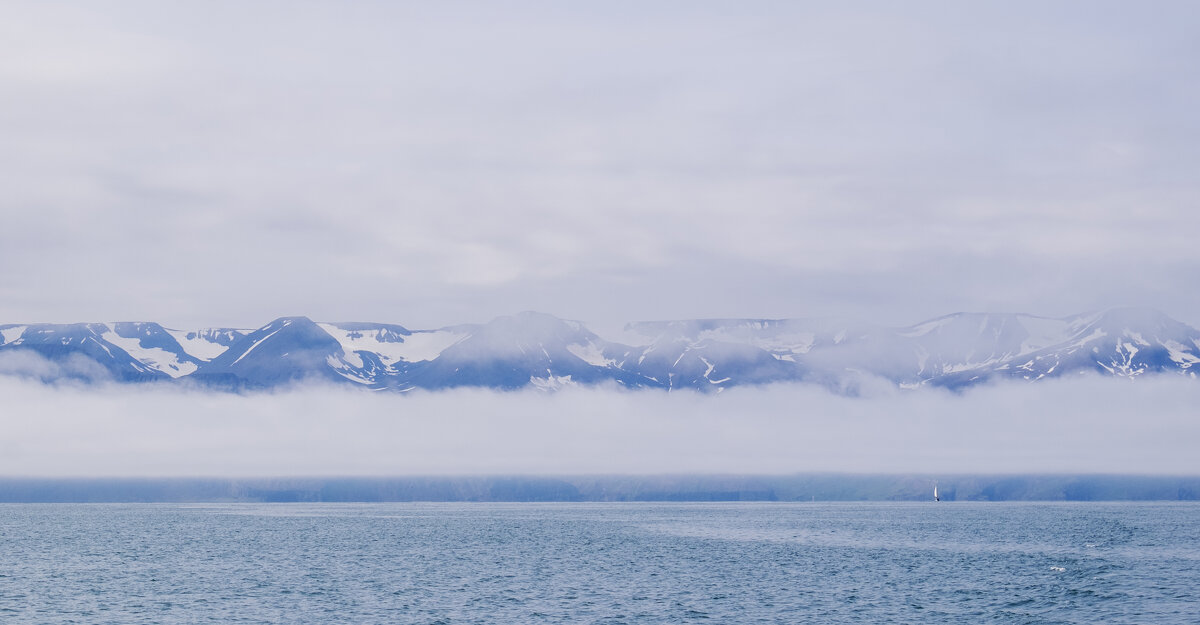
[{"x": 226, "y": 163}]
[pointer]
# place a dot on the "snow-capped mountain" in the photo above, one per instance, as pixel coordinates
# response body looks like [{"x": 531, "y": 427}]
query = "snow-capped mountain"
[
  {"x": 542, "y": 351},
  {"x": 713, "y": 354},
  {"x": 124, "y": 351},
  {"x": 1124, "y": 342},
  {"x": 285, "y": 350},
  {"x": 528, "y": 349}
]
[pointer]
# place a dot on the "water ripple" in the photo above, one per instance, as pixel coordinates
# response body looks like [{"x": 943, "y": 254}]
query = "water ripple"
[{"x": 599, "y": 563}]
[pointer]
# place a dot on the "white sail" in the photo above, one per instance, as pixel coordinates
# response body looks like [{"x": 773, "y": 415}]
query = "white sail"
[{"x": 935, "y": 496}]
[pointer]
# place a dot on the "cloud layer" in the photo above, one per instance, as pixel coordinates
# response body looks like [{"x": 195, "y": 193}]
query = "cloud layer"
[
  {"x": 1078, "y": 425},
  {"x": 429, "y": 164}
]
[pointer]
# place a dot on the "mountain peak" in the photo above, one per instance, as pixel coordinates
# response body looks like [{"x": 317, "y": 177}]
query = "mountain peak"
[{"x": 286, "y": 321}]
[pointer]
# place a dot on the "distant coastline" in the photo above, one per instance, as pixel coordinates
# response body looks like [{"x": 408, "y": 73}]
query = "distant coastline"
[{"x": 681, "y": 488}]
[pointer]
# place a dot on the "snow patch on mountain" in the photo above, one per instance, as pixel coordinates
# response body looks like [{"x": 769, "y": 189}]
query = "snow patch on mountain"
[
  {"x": 784, "y": 345},
  {"x": 349, "y": 367},
  {"x": 206, "y": 344},
  {"x": 285, "y": 324},
  {"x": 1177, "y": 353},
  {"x": 592, "y": 354},
  {"x": 1096, "y": 335},
  {"x": 551, "y": 382},
  {"x": 154, "y": 357},
  {"x": 390, "y": 344},
  {"x": 11, "y": 334}
]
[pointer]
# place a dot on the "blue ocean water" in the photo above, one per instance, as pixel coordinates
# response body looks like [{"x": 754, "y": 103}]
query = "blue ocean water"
[{"x": 600, "y": 563}]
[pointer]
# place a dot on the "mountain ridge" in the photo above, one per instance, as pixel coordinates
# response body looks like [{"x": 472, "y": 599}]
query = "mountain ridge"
[{"x": 538, "y": 350}]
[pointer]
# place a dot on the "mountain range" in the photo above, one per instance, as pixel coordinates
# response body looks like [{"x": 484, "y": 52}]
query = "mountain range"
[{"x": 542, "y": 351}]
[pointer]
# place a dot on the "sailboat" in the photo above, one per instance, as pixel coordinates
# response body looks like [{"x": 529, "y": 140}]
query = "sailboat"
[{"x": 935, "y": 495}]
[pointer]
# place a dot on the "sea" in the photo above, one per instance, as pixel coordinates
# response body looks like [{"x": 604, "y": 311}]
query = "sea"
[{"x": 949, "y": 562}]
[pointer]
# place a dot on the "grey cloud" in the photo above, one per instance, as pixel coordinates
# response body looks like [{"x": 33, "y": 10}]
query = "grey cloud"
[{"x": 224, "y": 163}]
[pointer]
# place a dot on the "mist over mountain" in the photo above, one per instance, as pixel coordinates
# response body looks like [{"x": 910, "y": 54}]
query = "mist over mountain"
[{"x": 534, "y": 350}]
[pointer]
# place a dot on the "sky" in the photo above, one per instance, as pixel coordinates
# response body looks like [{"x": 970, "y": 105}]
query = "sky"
[{"x": 225, "y": 163}]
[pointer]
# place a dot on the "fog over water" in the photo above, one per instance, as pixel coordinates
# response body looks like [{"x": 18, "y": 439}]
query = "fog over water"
[{"x": 1077, "y": 425}]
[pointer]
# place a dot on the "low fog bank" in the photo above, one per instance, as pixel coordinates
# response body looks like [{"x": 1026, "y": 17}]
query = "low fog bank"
[
  {"x": 607, "y": 488},
  {"x": 1077, "y": 426}
]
